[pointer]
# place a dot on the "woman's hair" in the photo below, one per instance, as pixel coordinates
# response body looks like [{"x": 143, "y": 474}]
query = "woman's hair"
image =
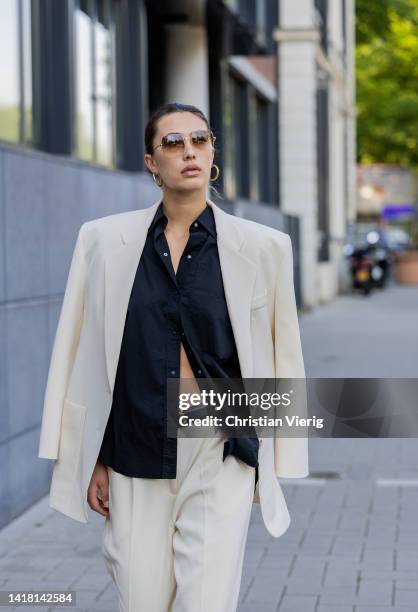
[{"x": 172, "y": 107}]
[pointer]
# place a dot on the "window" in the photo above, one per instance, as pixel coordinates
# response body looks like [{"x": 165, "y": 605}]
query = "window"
[
  {"x": 16, "y": 71},
  {"x": 241, "y": 144},
  {"x": 250, "y": 142},
  {"x": 266, "y": 152},
  {"x": 247, "y": 11},
  {"x": 261, "y": 22},
  {"x": 94, "y": 81},
  {"x": 321, "y": 7}
]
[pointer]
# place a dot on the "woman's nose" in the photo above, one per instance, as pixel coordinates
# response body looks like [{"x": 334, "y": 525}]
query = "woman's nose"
[{"x": 188, "y": 150}]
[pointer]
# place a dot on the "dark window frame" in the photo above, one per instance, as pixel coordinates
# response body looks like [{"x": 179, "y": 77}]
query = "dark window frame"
[
  {"x": 99, "y": 11},
  {"x": 24, "y": 132}
]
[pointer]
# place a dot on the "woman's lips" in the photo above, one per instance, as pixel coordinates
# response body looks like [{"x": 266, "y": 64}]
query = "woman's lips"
[{"x": 194, "y": 171}]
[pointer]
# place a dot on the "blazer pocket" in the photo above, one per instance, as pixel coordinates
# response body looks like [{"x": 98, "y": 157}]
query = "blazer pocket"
[
  {"x": 259, "y": 300},
  {"x": 73, "y": 415}
]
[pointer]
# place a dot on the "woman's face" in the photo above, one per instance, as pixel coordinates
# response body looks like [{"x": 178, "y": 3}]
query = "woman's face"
[{"x": 169, "y": 164}]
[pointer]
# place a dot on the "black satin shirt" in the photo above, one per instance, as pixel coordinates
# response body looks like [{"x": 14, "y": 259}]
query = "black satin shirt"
[{"x": 166, "y": 308}]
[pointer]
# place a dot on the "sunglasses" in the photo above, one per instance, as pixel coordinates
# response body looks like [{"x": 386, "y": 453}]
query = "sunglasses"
[{"x": 176, "y": 140}]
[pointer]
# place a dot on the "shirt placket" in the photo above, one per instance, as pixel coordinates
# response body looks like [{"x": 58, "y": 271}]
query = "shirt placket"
[{"x": 181, "y": 281}]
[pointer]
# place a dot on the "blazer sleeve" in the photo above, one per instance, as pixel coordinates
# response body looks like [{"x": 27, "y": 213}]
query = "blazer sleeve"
[
  {"x": 290, "y": 453},
  {"x": 63, "y": 352}
]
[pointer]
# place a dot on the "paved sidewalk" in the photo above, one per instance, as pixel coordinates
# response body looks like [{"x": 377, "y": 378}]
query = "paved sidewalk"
[{"x": 352, "y": 545}]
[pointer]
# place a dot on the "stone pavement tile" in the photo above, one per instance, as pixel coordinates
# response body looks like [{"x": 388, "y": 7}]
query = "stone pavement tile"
[
  {"x": 321, "y": 524},
  {"x": 314, "y": 539},
  {"x": 298, "y": 603},
  {"x": 406, "y": 585},
  {"x": 245, "y": 584},
  {"x": 109, "y": 598},
  {"x": 10, "y": 565},
  {"x": 333, "y": 608},
  {"x": 268, "y": 573},
  {"x": 262, "y": 607},
  {"x": 337, "y": 594},
  {"x": 345, "y": 590},
  {"x": 91, "y": 581},
  {"x": 301, "y": 569},
  {"x": 377, "y": 565},
  {"x": 385, "y": 609},
  {"x": 406, "y": 562},
  {"x": 253, "y": 556},
  {"x": 284, "y": 552},
  {"x": 340, "y": 564},
  {"x": 97, "y": 567},
  {"x": 333, "y": 577},
  {"x": 263, "y": 591},
  {"x": 70, "y": 570},
  {"x": 375, "y": 592},
  {"x": 275, "y": 563},
  {"x": 404, "y": 597},
  {"x": 406, "y": 545},
  {"x": 303, "y": 586},
  {"x": 386, "y": 541},
  {"x": 378, "y": 556},
  {"x": 347, "y": 546},
  {"x": 370, "y": 592},
  {"x": 370, "y": 573}
]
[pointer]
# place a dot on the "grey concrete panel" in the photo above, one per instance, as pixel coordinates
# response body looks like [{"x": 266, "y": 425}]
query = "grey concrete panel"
[
  {"x": 27, "y": 354},
  {"x": 4, "y": 414},
  {"x": 25, "y": 225},
  {"x": 2, "y": 233},
  {"x": 64, "y": 217}
]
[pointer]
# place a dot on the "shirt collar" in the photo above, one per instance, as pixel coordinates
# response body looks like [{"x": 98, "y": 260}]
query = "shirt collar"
[{"x": 206, "y": 219}]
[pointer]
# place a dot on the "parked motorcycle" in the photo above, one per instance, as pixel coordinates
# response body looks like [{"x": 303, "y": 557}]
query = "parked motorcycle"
[
  {"x": 361, "y": 266},
  {"x": 381, "y": 265}
]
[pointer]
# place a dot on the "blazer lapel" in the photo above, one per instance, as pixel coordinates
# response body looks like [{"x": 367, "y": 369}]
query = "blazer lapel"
[
  {"x": 238, "y": 273},
  {"x": 121, "y": 263}
]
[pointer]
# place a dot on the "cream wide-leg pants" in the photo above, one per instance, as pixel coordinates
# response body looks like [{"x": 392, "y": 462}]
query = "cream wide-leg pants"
[{"x": 177, "y": 545}]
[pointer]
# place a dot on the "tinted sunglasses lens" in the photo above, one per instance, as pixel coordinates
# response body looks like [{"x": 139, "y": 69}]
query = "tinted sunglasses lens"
[
  {"x": 172, "y": 141},
  {"x": 201, "y": 137}
]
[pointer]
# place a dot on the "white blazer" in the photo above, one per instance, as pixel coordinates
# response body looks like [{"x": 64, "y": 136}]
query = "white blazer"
[{"x": 257, "y": 271}]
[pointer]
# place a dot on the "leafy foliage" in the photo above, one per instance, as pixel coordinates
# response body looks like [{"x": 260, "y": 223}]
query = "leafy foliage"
[{"x": 387, "y": 81}]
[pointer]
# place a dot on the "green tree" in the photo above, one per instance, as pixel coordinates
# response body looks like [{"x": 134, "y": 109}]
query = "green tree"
[{"x": 387, "y": 81}]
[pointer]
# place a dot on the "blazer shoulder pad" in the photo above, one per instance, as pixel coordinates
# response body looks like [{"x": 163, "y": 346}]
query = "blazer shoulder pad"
[{"x": 254, "y": 230}]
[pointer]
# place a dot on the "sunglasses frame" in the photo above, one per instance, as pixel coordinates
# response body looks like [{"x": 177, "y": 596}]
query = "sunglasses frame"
[{"x": 162, "y": 144}]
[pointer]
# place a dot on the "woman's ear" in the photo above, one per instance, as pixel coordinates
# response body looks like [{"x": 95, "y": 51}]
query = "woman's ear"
[{"x": 150, "y": 163}]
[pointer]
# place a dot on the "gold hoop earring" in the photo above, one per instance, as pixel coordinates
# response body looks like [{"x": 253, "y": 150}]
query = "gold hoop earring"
[
  {"x": 154, "y": 176},
  {"x": 217, "y": 172}
]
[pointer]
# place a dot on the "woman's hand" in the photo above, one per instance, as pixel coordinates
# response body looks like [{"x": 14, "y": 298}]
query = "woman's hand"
[{"x": 98, "y": 491}]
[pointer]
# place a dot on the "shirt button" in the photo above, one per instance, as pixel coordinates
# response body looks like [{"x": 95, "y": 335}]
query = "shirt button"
[
  {"x": 189, "y": 256},
  {"x": 196, "y": 224},
  {"x": 165, "y": 254},
  {"x": 199, "y": 371},
  {"x": 173, "y": 372}
]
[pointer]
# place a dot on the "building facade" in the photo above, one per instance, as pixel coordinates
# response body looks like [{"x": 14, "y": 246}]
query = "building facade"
[
  {"x": 81, "y": 80},
  {"x": 317, "y": 134}
]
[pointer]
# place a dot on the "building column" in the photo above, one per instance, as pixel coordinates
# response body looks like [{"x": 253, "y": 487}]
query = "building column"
[
  {"x": 187, "y": 65},
  {"x": 297, "y": 40}
]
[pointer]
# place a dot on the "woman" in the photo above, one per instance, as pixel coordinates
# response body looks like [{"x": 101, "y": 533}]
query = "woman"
[{"x": 184, "y": 291}]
